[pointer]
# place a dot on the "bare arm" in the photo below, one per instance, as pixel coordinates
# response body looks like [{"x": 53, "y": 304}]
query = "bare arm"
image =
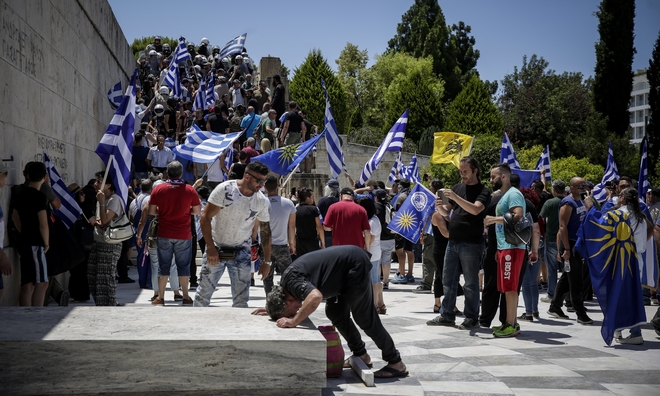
[
  {"x": 367, "y": 239},
  {"x": 471, "y": 208},
  {"x": 292, "y": 233},
  {"x": 319, "y": 230},
  {"x": 564, "y": 216},
  {"x": 210, "y": 210},
  {"x": 197, "y": 209},
  {"x": 43, "y": 229},
  {"x": 309, "y": 305},
  {"x": 536, "y": 238}
]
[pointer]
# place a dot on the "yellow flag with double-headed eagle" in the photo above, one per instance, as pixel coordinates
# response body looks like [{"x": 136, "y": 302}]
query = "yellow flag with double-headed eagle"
[{"x": 450, "y": 147}]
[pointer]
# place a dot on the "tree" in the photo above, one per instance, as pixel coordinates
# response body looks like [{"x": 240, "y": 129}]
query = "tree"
[
  {"x": 614, "y": 56},
  {"x": 353, "y": 75},
  {"x": 425, "y": 146},
  {"x": 423, "y": 32},
  {"x": 307, "y": 91},
  {"x": 540, "y": 107},
  {"x": 141, "y": 44},
  {"x": 473, "y": 111},
  {"x": 653, "y": 127}
]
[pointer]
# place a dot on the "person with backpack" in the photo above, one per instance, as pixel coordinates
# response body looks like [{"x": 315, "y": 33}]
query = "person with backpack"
[{"x": 385, "y": 212}]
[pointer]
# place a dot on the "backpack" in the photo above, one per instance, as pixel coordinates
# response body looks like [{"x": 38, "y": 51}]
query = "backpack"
[{"x": 389, "y": 213}]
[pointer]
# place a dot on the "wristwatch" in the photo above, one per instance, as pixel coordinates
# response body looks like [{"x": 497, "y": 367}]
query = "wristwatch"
[{"x": 268, "y": 262}]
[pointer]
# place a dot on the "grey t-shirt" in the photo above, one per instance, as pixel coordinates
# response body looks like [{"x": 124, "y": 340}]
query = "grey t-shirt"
[{"x": 280, "y": 210}]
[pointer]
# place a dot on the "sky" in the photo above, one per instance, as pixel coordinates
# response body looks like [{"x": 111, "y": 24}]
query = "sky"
[{"x": 563, "y": 32}]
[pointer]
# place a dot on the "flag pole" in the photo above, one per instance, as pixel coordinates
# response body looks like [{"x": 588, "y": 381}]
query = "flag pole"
[
  {"x": 107, "y": 170},
  {"x": 290, "y": 174}
]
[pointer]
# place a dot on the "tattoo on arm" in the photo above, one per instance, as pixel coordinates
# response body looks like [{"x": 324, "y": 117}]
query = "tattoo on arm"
[{"x": 265, "y": 232}]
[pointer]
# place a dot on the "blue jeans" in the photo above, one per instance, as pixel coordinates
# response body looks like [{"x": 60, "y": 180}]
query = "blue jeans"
[
  {"x": 465, "y": 256},
  {"x": 552, "y": 264},
  {"x": 530, "y": 289},
  {"x": 239, "y": 275},
  {"x": 155, "y": 269},
  {"x": 180, "y": 250}
]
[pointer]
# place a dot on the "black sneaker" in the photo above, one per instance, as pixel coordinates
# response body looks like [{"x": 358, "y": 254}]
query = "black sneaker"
[
  {"x": 584, "y": 319},
  {"x": 557, "y": 313},
  {"x": 570, "y": 309},
  {"x": 252, "y": 282},
  {"x": 193, "y": 285},
  {"x": 469, "y": 324},
  {"x": 178, "y": 297},
  {"x": 64, "y": 299},
  {"x": 422, "y": 290},
  {"x": 526, "y": 318},
  {"x": 441, "y": 321},
  {"x": 125, "y": 280}
]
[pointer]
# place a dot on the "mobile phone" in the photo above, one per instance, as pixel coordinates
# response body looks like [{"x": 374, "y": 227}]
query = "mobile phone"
[
  {"x": 445, "y": 200},
  {"x": 583, "y": 195}
]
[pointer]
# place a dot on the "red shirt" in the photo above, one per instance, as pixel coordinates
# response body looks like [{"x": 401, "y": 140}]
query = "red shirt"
[
  {"x": 347, "y": 220},
  {"x": 251, "y": 152},
  {"x": 174, "y": 200}
]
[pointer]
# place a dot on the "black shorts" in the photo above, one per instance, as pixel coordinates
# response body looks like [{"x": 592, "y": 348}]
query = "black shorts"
[{"x": 402, "y": 243}]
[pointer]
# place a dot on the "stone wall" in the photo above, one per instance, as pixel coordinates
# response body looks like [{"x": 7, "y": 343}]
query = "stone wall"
[
  {"x": 356, "y": 155},
  {"x": 58, "y": 60}
]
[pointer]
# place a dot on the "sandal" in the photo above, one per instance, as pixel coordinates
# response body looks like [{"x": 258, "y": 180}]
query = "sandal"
[
  {"x": 382, "y": 310},
  {"x": 436, "y": 308},
  {"x": 347, "y": 363},
  {"x": 389, "y": 372}
]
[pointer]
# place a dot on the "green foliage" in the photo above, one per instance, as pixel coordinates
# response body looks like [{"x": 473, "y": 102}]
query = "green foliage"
[
  {"x": 426, "y": 140},
  {"x": 653, "y": 127},
  {"x": 529, "y": 157},
  {"x": 423, "y": 32},
  {"x": 408, "y": 82},
  {"x": 540, "y": 107},
  {"x": 284, "y": 71},
  {"x": 306, "y": 90},
  {"x": 354, "y": 77},
  {"x": 614, "y": 57},
  {"x": 368, "y": 136},
  {"x": 141, "y": 43},
  {"x": 448, "y": 173},
  {"x": 473, "y": 111},
  {"x": 569, "y": 167}
]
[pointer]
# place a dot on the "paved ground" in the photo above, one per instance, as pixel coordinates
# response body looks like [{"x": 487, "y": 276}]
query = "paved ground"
[{"x": 549, "y": 357}]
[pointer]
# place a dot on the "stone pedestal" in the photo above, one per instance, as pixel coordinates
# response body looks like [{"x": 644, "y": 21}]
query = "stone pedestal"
[
  {"x": 149, "y": 350},
  {"x": 315, "y": 181}
]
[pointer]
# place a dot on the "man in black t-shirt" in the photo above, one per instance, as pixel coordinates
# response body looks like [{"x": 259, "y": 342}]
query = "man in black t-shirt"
[
  {"x": 341, "y": 275},
  {"x": 468, "y": 200},
  {"x": 30, "y": 218},
  {"x": 294, "y": 128},
  {"x": 217, "y": 122}
]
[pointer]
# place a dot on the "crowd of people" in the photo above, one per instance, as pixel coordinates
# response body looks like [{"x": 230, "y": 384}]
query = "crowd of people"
[{"x": 236, "y": 215}]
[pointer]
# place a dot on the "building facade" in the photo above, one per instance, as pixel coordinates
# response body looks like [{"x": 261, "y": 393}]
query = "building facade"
[{"x": 639, "y": 108}]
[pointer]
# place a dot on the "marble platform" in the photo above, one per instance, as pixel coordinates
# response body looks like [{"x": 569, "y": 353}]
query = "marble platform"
[{"x": 148, "y": 350}]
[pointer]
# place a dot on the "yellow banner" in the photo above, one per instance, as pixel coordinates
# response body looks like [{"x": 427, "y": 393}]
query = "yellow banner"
[{"x": 450, "y": 147}]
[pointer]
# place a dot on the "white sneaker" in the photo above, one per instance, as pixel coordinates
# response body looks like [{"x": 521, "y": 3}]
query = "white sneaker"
[
  {"x": 617, "y": 335},
  {"x": 546, "y": 299},
  {"x": 631, "y": 340}
]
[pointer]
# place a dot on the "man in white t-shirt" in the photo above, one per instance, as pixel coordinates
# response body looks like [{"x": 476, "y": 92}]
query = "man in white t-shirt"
[
  {"x": 283, "y": 228},
  {"x": 234, "y": 209}
]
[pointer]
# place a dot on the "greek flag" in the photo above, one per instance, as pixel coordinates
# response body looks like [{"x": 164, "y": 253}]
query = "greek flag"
[
  {"x": 396, "y": 169},
  {"x": 643, "y": 184},
  {"x": 229, "y": 159},
  {"x": 332, "y": 142},
  {"x": 173, "y": 79},
  {"x": 234, "y": 46},
  {"x": 117, "y": 143},
  {"x": 507, "y": 155},
  {"x": 393, "y": 142},
  {"x": 544, "y": 163},
  {"x": 611, "y": 173},
  {"x": 413, "y": 170},
  {"x": 194, "y": 137},
  {"x": 115, "y": 96},
  {"x": 210, "y": 149},
  {"x": 200, "y": 98},
  {"x": 70, "y": 210},
  {"x": 210, "y": 93}
]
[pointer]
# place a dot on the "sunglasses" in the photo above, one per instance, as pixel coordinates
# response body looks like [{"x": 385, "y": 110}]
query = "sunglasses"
[{"x": 259, "y": 181}]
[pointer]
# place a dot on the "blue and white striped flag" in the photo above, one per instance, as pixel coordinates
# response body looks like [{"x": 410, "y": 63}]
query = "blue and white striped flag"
[
  {"x": 210, "y": 93},
  {"x": 544, "y": 163},
  {"x": 173, "y": 79},
  {"x": 210, "y": 149},
  {"x": 396, "y": 169},
  {"x": 507, "y": 155},
  {"x": 70, "y": 211},
  {"x": 393, "y": 142},
  {"x": 643, "y": 184},
  {"x": 611, "y": 173},
  {"x": 200, "y": 97},
  {"x": 115, "y": 95},
  {"x": 194, "y": 137},
  {"x": 234, "y": 46},
  {"x": 332, "y": 142},
  {"x": 117, "y": 142},
  {"x": 229, "y": 160},
  {"x": 412, "y": 170}
]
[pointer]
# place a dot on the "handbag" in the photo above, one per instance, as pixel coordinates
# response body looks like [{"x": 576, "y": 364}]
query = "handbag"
[
  {"x": 117, "y": 231},
  {"x": 152, "y": 233}
]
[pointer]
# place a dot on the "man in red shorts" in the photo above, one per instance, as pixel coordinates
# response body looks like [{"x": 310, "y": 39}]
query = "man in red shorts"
[{"x": 509, "y": 257}]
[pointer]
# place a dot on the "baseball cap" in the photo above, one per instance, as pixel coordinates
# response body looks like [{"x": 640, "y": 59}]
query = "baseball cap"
[
  {"x": 380, "y": 193},
  {"x": 347, "y": 191},
  {"x": 5, "y": 168},
  {"x": 654, "y": 191},
  {"x": 332, "y": 183}
]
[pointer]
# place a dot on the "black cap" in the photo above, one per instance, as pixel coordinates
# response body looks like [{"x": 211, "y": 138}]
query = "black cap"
[
  {"x": 347, "y": 191},
  {"x": 333, "y": 183},
  {"x": 656, "y": 192},
  {"x": 380, "y": 193}
]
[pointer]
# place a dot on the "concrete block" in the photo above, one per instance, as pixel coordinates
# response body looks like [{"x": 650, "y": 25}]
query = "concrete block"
[{"x": 91, "y": 350}]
